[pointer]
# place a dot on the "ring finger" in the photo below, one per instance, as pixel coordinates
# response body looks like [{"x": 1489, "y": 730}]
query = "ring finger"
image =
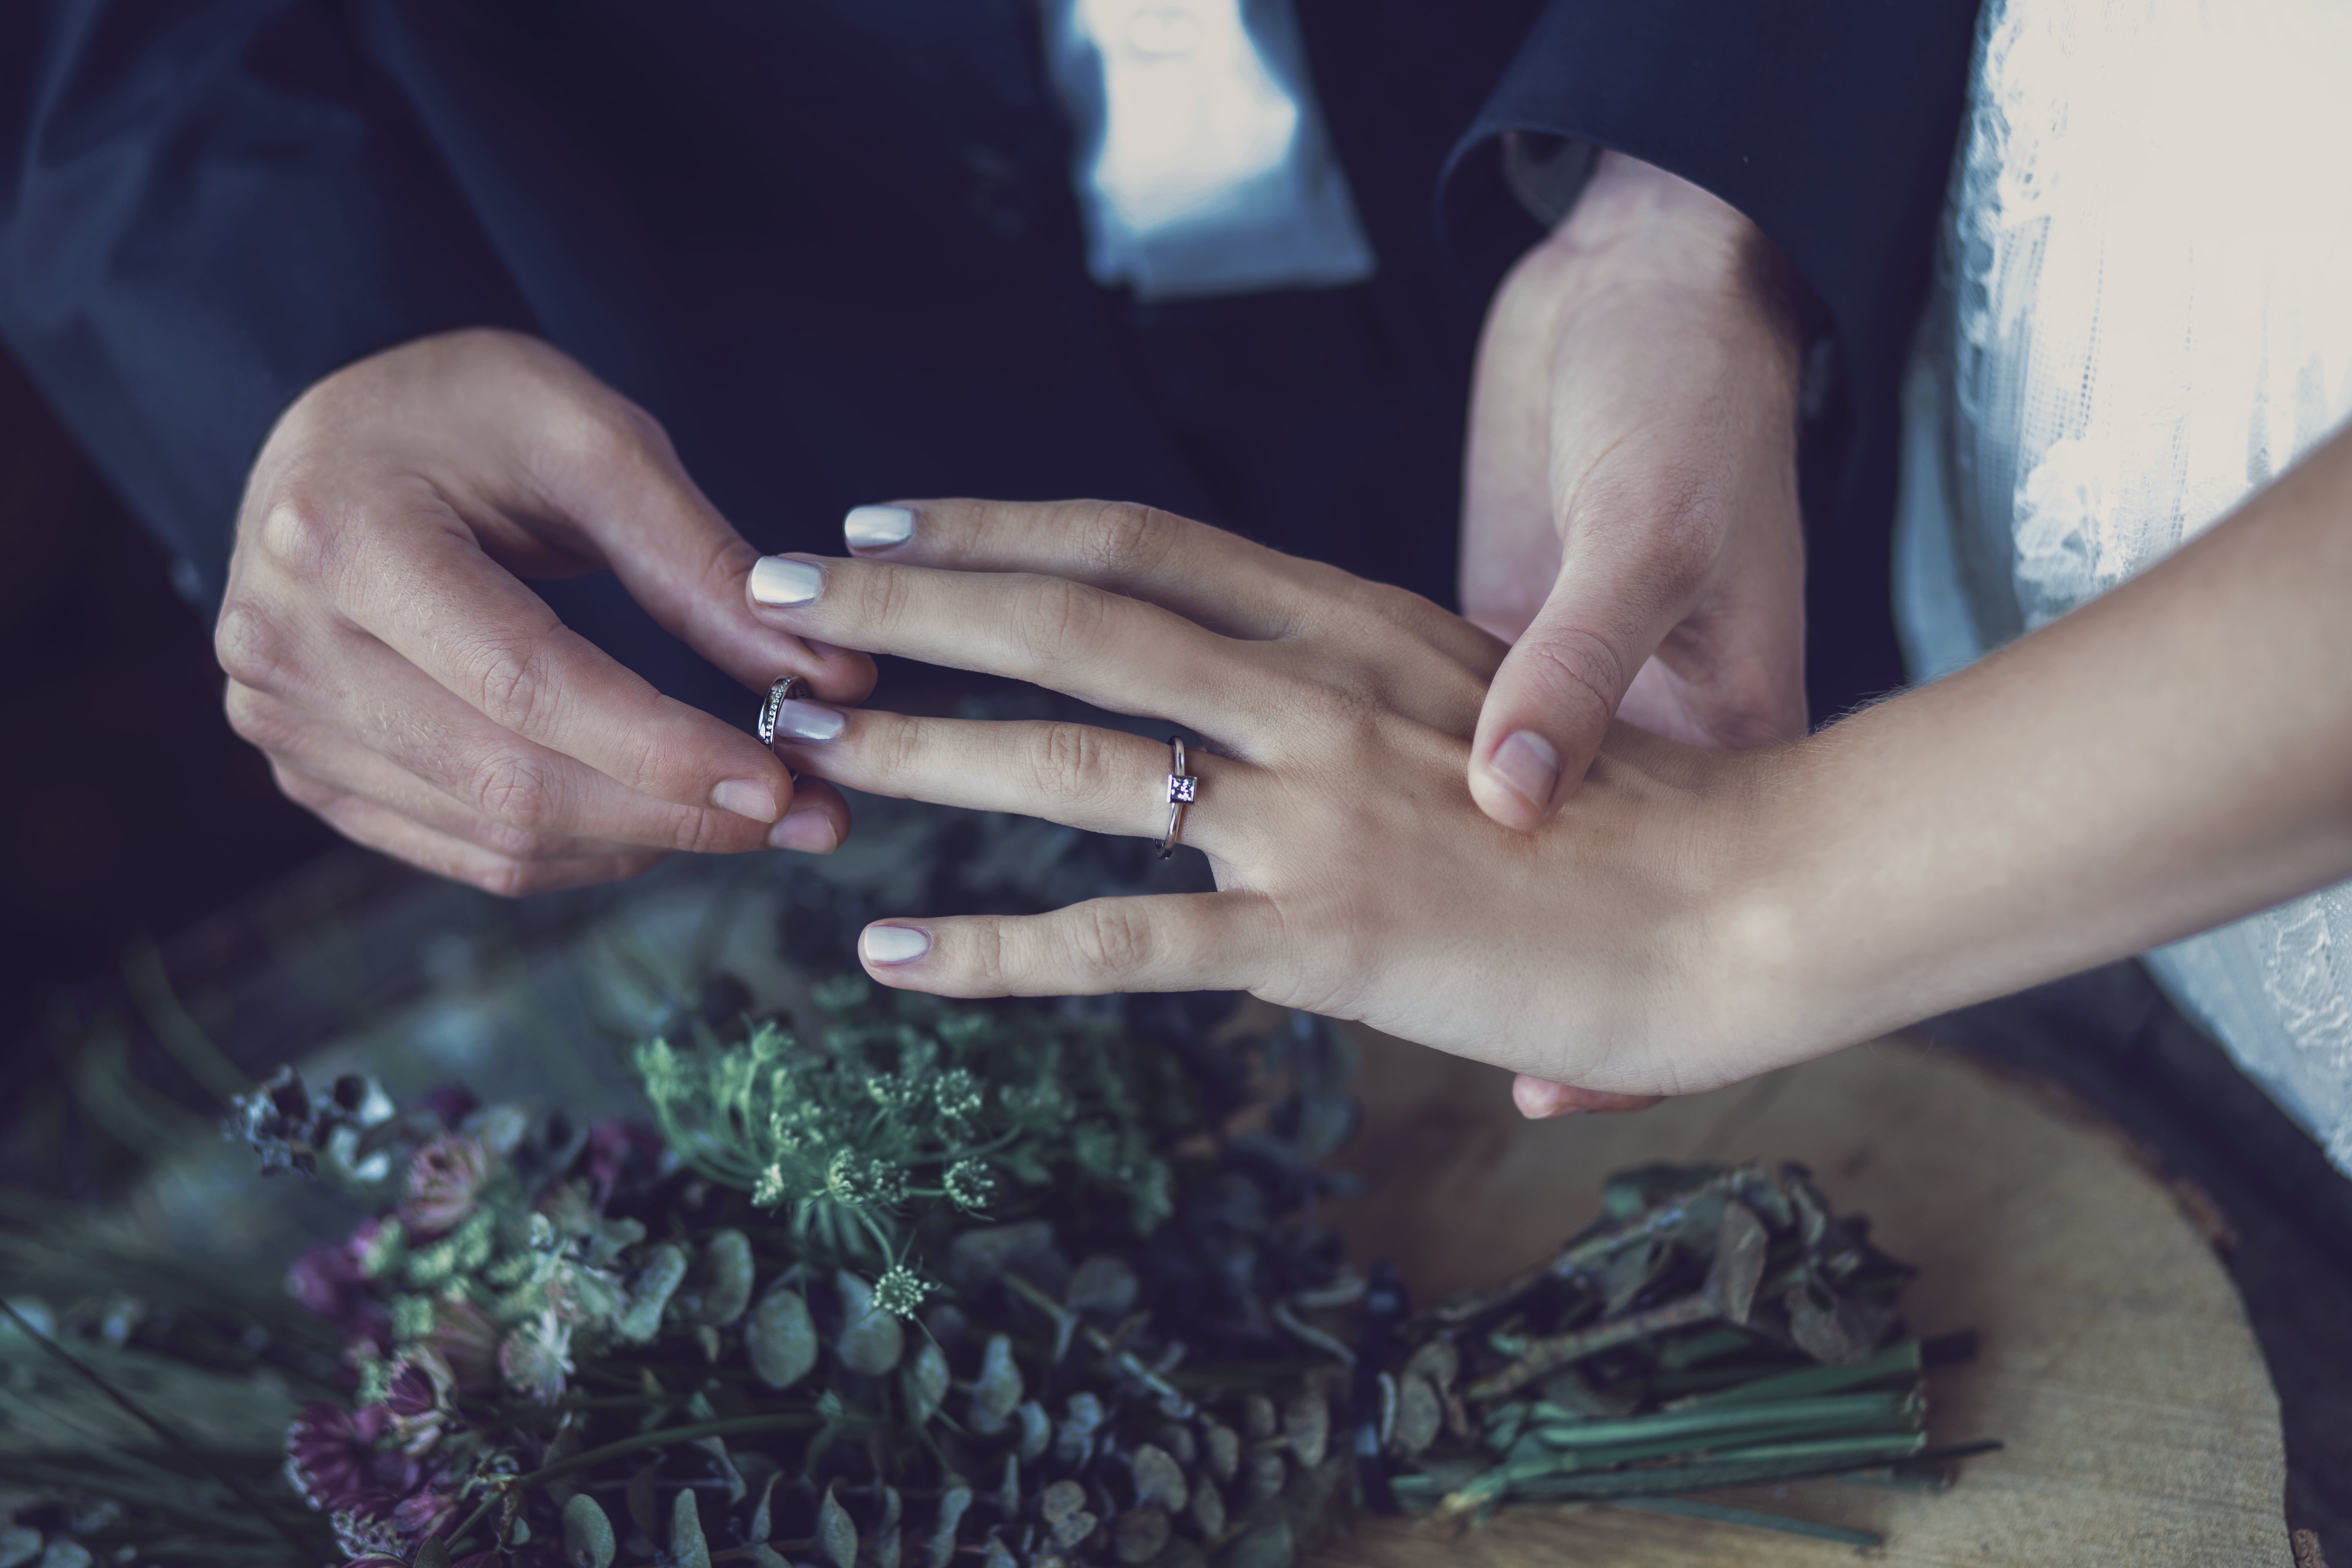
[{"x": 1102, "y": 781}]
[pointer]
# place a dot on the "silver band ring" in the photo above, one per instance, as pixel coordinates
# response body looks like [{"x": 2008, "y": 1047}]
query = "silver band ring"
[
  {"x": 788, "y": 688},
  {"x": 1182, "y": 789}
]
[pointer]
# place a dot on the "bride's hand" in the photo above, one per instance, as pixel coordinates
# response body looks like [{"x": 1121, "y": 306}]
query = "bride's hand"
[{"x": 1356, "y": 877}]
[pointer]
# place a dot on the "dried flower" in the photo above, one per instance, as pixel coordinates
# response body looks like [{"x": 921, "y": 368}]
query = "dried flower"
[
  {"x": 334, "y": 1458},
  {"x": 445, "y": 1181}
]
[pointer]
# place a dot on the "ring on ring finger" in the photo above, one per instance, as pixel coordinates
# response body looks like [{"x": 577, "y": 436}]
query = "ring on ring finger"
[{"x": 1182, "y": 789}]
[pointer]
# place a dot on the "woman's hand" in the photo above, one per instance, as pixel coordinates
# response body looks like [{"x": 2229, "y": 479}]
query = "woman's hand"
[
  {"x": 383, "y": 650},
  {"x": 1356, "y": 877}
]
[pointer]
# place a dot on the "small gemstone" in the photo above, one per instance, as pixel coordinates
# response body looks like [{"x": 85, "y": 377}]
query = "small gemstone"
[{"x": 1180, "y": 788}]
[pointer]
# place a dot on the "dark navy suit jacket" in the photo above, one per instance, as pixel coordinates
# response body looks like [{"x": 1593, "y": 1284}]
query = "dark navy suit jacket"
[{"x": 831, "y": 244}]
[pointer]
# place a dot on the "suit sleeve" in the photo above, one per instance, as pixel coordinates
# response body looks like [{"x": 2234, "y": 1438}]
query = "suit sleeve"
[
  {"x": 205, "y": 207},
  {"x": 1829, "y": 123}
]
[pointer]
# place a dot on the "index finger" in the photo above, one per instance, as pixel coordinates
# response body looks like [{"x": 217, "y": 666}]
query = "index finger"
[{"x": 436, "y": 600}]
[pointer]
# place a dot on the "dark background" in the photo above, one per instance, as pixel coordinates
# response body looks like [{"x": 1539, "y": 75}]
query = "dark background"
[{"x": 127, "y": 807}]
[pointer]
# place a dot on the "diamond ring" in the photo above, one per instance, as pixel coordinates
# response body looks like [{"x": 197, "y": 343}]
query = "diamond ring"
[
  {"x": 787, "y": 688},
  {"x": 1182, "y": 789}
]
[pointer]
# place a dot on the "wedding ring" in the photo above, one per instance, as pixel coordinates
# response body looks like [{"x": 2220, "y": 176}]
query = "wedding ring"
[
  {"x": 1182, "y": 789},
  {"x": 787, "y": 688}
]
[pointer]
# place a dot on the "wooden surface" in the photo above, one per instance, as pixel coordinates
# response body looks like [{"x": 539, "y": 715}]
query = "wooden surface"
[{"x": 2142, "y": 1430}]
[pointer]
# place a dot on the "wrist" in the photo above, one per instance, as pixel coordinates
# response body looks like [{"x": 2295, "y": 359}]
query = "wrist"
[
  {"x": 1635, "y": 223},
  {"x": 1767, "y": 916}
]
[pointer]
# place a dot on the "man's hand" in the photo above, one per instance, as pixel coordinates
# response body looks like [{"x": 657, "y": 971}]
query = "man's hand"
[
  {"x": 410, "y": 689},
  {"x": 1630, "y": 516}
]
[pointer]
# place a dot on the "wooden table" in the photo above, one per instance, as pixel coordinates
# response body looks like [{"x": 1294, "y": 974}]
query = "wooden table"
[{"x": 2141, "y": 1426}]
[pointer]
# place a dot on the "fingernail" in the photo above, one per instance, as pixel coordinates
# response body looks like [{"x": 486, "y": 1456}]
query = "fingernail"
[
  {"x": 1527, "y": 765},
  {"x": 893, "y": 944},
  {"x": 1539, "y": 1100},
  {"x": 807, "y": 720},
  {"x": 809, "y": 831},
  {"x": 745, "y": 797},
  {"x": 874, "y": 527},
  {"x": 779, "y": 580}
]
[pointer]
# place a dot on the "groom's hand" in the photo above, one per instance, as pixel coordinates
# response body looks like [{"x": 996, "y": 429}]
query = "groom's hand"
[
  {"x": 1631, "y": 522},
  {"x": 383, "y": 650}
]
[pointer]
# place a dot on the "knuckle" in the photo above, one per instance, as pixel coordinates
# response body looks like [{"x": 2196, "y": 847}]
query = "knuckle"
[
  {"x": 502, "y": 878},
  {"x": 513, "y": 788},
  {"x": 1118, "y": 539},
  {"x": 250, "y": 645},
  {"x": 513, "y": 684},
  {"x": 296, "y": 532},
  {"x": 1056, "y": 619},
  {"x": 894, "y": 746},
  {"x": 1065, "y": 760},
  {"x": 301, "y": 789},
  {"x": 517, "y": 844},
  {"x": 882, "y": 597},
  {"x": 257, "y": 719},
  {"x": 1111, "y": 938},
  {"x": 1580, "y": 666}
]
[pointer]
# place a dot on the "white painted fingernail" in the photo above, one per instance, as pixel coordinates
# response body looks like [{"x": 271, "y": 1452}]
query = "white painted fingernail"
[
  {"x": 779, "y": 580},
  {"x": 809, "y": 832},
  {"x": 745, "y": 797},
  {"x": 874, "y": 527},
  {"x": 808, "y": 720},
  {"x": 1527, "y": 765},
  {"x": 893, "y": 944}
]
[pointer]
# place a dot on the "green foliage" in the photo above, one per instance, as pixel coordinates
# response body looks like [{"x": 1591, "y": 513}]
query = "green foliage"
[{"x": 888, "y": 1111}]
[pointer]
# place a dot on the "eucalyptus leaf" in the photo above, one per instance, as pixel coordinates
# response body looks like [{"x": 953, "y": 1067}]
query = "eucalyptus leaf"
[
  {"x": 433, "y": 1552},
  {"x": 1158, "y": 1478},
  {"x": 1307, "y": 1423},
  {"x": 19, "y": 1544},
  {"x": 836, "y": 1533},
  {"x": 658, "y": 1279},
  {"x": 766, "y": 1557},
  {"x": 688, "y": 1549},
  {"x": 1208, "y": 1508},
  {"x": 781, "y": 1339},
  {"x": 1037, "y": 1430},
  {"x": 939, "y": 1551},
  {"x": 726, "y": 1278},
  {"x": 996, "y": 1392},
  {"x": 871, "y": 1341},
  {"x": 1224, "y": 1446},
  {"x": 587, "y": 1534},
  {"x": 924, "y": 1380}
]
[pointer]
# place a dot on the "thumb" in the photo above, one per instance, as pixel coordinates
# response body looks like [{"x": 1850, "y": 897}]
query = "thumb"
[{"x": 1552, "y": 699}]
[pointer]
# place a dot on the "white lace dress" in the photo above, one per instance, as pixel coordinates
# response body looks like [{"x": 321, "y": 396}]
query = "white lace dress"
[{"x": 2142, "y": 315}]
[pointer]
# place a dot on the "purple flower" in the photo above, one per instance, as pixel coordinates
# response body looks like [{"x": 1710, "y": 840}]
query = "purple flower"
[
  {"x": 327, "y": 1278},
  {"x": 333, "y": 1459},
  {"x": 424, "y": 1512},
  {"x": 445, "y": 1177}
]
